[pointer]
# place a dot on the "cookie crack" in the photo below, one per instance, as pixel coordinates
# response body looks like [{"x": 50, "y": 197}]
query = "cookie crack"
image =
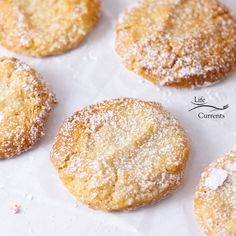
[{"x": 132, "y": 151}]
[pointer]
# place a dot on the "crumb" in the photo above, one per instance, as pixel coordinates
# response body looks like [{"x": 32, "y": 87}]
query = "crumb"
[{"x": 16, "y": 209}]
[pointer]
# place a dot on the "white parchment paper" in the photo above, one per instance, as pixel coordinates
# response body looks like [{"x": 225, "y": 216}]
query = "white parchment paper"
[{"x": 93, "y": 72}]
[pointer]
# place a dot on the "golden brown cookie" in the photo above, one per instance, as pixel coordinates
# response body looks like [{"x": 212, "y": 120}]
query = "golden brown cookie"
[
  {"x": 46, "y": 27},
  {"x": 179, "y": 43},
  {"x": 121, "y": 154},
  {"x": 25, "y": 103},
  {"x": 215, "y": 201}
]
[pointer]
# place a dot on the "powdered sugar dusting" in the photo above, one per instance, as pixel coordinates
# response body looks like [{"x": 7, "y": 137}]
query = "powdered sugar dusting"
[
  {"x": 42, "y": 28},
  {"x": 161, "y": 41},
  {"x": 215, "y": 201},
  {"x": 231, "y": 167},
  {"x": 216, "y": 178},
  {"x": 26, "y": 111},
  {"x": 126, "y": 149},
  {"x": 1, "y": 117}
]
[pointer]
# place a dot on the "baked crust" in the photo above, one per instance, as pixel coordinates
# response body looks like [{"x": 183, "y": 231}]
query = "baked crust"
[
  {"x": 25, "y": 103},
  {"x": 178, "y": 43},
  {"x": 46, "y": 27},
  {"x": 121, "y": 154},
  {"x": 215, "y": 201}
]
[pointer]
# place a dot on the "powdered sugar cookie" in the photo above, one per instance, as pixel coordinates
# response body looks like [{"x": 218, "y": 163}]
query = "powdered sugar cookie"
[
  {"x": 215, "y": 202},
  {"x": 25, "y": 103},
  {"x": 178, "y": 43},
  {"x": 121, "y": 154},
  {"x": 46, "y": 27}
]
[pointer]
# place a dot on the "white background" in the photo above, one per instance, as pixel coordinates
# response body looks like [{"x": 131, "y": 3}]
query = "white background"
[{"x": 91, "y": 73}]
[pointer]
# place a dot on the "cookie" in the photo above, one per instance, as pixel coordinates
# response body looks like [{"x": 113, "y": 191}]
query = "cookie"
[
  {"x": 25, "y": 103},
  {"x": 215, "y": 201},
  {"x": 121, "y": 154},
  {"x": 178, "y": 43},
  {"x": 46, "y": 27}
]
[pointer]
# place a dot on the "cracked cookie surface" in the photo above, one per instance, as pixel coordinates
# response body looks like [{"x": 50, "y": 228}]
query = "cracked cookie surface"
[
  {"x": 46, "y": 27},
  {"x": 25, "y": 103},
  {"x": 215, "y": 201},
  {"x": 179, "y": 43},
  {"x": 121, "y": 154}
]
